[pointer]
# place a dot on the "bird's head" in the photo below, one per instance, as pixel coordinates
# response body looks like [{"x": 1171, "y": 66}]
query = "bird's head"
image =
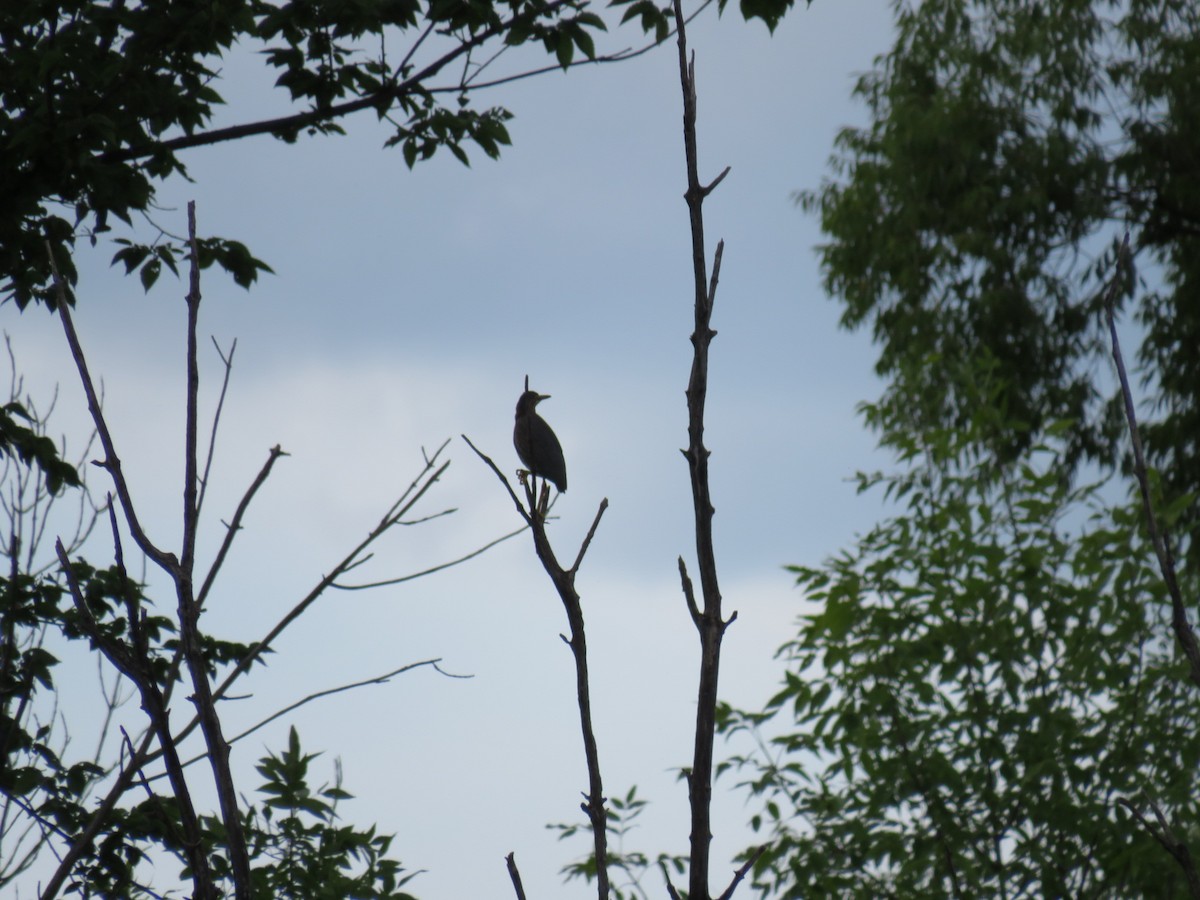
[{"x": 529, "y": 401}]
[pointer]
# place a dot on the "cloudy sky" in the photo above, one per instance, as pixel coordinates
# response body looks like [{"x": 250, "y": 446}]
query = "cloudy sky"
[{"x": 406, "y": 309}]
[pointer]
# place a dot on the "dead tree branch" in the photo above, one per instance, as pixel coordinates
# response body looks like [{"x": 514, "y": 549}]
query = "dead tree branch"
[
  {"x": 415, "y": 575},
  {"x": 227, "y": 362},
  {"x": 235, "y": 523},
  {"x": 181, "y": 572},
  {"x": 564, "y": 583},
  {"x": 430, "y": 474},
  {"x": 111, "y": 462},
  {"x": 708, "y": 619},
  {"x": 189, "y": 607},
  {"x": 329, "y": 692},
  {"x": 515, "y": 875}
]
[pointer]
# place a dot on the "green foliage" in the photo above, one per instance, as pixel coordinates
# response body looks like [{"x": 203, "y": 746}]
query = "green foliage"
[
  {"x": 299, "y": 849},
  {"x": 36, "y": 783},
  {"x": 970, "y": 218},
  {"x": 989, "y": 671},
  {"x": 30, "y": 446},
  {"x": 100, "y": 99},
  {"x": 148, "y": 259},
  {"x": 983, "y": 676}
]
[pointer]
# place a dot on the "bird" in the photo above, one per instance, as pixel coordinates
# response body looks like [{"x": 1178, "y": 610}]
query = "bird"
[{"x": 536, "y": 443}]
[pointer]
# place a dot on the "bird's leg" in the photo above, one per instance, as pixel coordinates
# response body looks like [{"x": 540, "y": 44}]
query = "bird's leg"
[
  {"x": 525, "y": 477},
  {"x": 529, "y": 481}
]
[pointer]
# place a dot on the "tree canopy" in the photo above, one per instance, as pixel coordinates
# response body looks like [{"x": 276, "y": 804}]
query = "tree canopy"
[
  {"x": 988, "y": 691},
  {"x": 1010, "y": 144},
  {"x": 101, "y": 100}
]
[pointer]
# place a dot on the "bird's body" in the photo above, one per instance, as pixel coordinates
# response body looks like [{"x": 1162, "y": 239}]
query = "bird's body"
[{"x": 536, "y": 443}]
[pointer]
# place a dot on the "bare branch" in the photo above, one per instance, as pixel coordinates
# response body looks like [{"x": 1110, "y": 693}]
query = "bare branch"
[
  {"x": 709, "y": 621},
  {"x": 236, "y": 523},
  {"x": 705, "y": 191},
  {"x": 227, "y": 362},
  {"x": 145, "y": 754},
  {"x": 525, "y": 514},
  {"x": 416, "y": 46},
  {"x": 689, "y": 592},
  {"x": 414, "y": 493},
  {"x": 424, "y": 572},
  {"x": 111, "y": 462},
  {"x": 513, "y": 874},
  {"x": 189, "y": 609},
  {"x": 587, "y": 541},
  {"x": 564, "y": 583},
  {"x": 741, "y": 873},
  {"x": 672, "y": 891},
  {"x": 191, "y": 478},
  {"x": 328, "y": 692}
]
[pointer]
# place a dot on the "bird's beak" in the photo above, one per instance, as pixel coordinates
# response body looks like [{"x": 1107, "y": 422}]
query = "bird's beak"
[{"x": 542, "y": 397}]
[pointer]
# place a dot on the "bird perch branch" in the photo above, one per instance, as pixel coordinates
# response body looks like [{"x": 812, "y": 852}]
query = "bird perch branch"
[{"x": 564, "y": 583}]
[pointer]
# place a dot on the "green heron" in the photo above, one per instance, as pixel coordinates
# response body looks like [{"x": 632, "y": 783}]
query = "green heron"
[{"x": 536, "y": 444}]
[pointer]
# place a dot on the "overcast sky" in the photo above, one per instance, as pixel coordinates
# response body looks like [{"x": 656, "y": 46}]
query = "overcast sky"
[{"x": 406, "y": 309}]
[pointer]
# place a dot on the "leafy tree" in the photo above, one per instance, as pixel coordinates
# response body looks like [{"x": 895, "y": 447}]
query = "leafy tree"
[
  {"x": 101, "y": 99},
  {"x": 991, "y": 671},
  {"x": 970, "y": 219},
  {"x": 986, "y": 674},
  {"x": 305, "y": 854}
]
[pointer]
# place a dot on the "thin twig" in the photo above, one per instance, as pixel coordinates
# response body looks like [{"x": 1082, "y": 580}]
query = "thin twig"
[
  {"x": 236, "y": 523},
  {"x": 508, "y": 487},
  {"x": 416, "y": 45},
  {"x": 618, "y": 56},
  {"x": 111, "y": 462},
  {"x": 587, "y": 541},
  {"x": 328, "y": 692},
  {"x": 672, "y": 891},
  {"x": 689, "y": 592},
  {"x": 227, "y": 362},
  {"x": 446, "y": 565},
  {"x": 741, "y": 873}
]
